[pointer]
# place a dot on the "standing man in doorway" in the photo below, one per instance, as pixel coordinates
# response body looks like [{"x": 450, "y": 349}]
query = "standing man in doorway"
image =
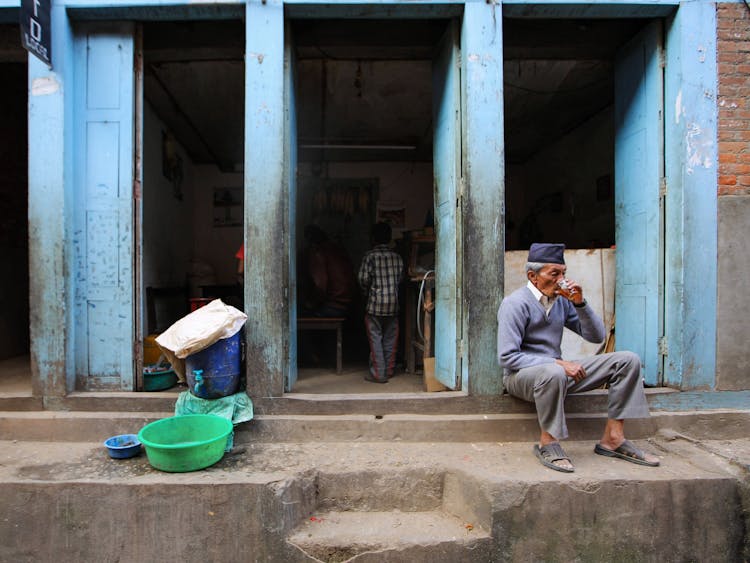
[
  {"x": 530, "y": 322},
  {"x": 379, "y": 276}
]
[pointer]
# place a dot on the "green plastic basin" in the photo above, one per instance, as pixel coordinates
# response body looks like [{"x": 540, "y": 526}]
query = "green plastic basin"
[
  {"x": 185, "y": 443},
  {"x": 158, "y": 380}
]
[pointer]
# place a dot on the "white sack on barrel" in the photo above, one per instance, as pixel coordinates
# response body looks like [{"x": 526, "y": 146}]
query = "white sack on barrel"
[{"x": 197, "y": 331}]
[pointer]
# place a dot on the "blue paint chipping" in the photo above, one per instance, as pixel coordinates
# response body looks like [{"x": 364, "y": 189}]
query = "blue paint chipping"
[
  {"x": 697, "y": 400},
  {"x": 81, "y": 117}
]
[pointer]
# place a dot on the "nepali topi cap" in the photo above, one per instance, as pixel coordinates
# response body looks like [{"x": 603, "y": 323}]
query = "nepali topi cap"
[{"x": 547, "y": 253}]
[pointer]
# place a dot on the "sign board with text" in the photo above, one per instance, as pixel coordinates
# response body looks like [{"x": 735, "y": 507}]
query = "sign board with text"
[{"x": 36, "y": 29}]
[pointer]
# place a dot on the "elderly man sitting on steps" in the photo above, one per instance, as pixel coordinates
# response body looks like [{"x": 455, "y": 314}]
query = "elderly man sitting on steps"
[{"x": 530, "y": 323}]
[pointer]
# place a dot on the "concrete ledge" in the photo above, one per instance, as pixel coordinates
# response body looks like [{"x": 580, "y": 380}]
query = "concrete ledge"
[
  {"x": 111, "y": 401},
  {"x": 447, "y": 402},
  {"x": 97, "y": 426},
  {"x": 62, "y": 426},
  {"x": 421, "y": 428},
  {"x": 718, "y": 424}
]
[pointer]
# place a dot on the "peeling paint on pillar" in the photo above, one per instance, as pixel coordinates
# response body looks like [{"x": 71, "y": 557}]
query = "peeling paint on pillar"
[
  {"x": 47, "y": 285},
  {"x": 266, "y": 231},
  {"x": 691, "y": 201},
  {"x": 483, "y": 212},
  {"x": 44, "y": 86}
]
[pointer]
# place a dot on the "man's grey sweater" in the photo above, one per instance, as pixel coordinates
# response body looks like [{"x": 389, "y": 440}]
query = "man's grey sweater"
[{"x": 527, "y": 337}]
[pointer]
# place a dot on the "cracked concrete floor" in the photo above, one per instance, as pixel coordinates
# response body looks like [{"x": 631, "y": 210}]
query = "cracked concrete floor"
[{"x": 681, "y": 457}]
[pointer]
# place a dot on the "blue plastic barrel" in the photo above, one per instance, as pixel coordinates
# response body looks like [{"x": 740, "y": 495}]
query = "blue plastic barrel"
[{"x": 220, "y": 367}]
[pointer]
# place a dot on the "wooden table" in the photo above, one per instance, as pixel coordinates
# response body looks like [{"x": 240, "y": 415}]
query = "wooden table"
[{"x": 325, "y": 323}]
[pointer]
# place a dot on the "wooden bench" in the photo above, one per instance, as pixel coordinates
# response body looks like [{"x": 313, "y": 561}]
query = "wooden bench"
[{"x": 325, "y": 323}]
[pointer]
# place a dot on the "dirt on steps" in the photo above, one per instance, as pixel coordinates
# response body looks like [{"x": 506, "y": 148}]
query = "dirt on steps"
[{"x": 63, "y": 500}]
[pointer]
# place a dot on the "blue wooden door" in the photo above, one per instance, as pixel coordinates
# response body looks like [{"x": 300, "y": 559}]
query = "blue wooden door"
[
  {"x": 103, "y": 206},
  {"x": 446, "y": 118},
  {"x": 638, "y": 172},
  {"x": 290, "y": 182}
]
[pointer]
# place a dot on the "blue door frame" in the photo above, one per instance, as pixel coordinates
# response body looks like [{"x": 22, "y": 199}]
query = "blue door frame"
[
  {"x": 103, "y": 206},
  {"x": 690, "y": 172},
  {"x": 446, "y": 123},
  {"x": 639, "y": 172},
  {"x": 689, "y": 236}
]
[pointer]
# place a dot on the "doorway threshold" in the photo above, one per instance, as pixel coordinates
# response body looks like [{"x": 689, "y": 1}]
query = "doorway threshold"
[
  {"x": 376, "y": 404},
  {"x": 351, "y": 381}
]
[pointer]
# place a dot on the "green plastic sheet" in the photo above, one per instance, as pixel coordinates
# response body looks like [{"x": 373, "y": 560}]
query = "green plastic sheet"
[{"x": 238, "y": 408}]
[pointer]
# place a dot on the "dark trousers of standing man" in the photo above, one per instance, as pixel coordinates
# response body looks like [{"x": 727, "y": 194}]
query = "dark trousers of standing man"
[{"x": 382, "y": 335}]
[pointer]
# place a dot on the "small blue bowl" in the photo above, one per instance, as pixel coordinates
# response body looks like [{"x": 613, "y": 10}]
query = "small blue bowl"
[{"x": 123, "y": 446}]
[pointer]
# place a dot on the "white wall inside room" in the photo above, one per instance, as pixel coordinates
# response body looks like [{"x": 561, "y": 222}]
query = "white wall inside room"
[
  {"x": 179, "y": 236},
  {"x": 407, "y": 184},
  {"x": 575, "y": 167},
  {"x": 214, "y": 245},
  {"x": 397, "y": 184},
  {"x": 167, "y": 218}
]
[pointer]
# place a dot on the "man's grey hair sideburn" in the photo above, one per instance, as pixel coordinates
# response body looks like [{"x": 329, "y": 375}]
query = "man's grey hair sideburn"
[{"x": 534, "y": 266}]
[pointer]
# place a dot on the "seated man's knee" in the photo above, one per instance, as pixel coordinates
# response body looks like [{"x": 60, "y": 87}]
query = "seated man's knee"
[
  {"x": 627, "y": 365},
  {"x": 628, "y": 358},
  {"x": 551, "y": 375}
]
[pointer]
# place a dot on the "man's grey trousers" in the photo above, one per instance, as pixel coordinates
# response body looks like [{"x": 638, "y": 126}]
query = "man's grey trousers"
[{"x": 546, "y": 385}]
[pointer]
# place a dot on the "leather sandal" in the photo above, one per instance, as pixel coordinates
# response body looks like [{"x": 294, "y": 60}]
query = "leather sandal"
[
  {"x": 551, "y": 453},
  {"x": 627, "y": 451}
]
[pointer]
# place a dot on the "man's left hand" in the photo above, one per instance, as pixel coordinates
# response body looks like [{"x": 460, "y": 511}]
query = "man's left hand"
[{"x": 574, "y": 292}]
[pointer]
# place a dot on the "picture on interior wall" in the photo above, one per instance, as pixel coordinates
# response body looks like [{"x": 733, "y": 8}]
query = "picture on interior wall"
[
  {"x": 171, "y": 163},
  {"x": 228, "y": 208},
  {"x": 393, "y": 213}
]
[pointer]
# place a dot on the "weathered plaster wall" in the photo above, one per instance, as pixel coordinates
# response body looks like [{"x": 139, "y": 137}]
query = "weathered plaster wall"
[
  {"x": 167, "y": 220},
  {"x": 733, "y": 36},
  {"x": 733, "y": 359},
  {"x": 215, "y": 246},
  {"x": 407, "y": 183}
]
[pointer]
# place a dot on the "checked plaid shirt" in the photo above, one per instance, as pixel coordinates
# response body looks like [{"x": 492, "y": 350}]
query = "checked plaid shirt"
[{"x": 379, "y": 276}]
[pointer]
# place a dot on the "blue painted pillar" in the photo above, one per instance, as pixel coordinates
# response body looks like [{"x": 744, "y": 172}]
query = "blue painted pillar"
[
  {"x": 691, "y": 199},
  {"x": 484, "y": 193},
  {"x": 266, "y": 230},
  {"x": 50, "y": 215}
]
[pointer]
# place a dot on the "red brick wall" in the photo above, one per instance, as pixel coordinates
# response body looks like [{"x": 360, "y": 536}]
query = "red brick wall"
[{"x": 733, "y": 47}]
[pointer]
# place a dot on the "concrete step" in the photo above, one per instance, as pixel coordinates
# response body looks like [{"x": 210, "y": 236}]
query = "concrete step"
[
  {"x": 20, "y": 402},
  {"x": 419, "y": 513},
  {"x": 64, "y": 426},
  {"x": 391, "y": 536},
  {"x": 392, "y": 502},
  {"x": 403, "y": 489},
  {"x": 91, "y": 426},
  {"x": 449, "y": 402}
]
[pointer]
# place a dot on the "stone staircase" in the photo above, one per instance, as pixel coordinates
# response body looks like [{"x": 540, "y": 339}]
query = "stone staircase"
[
  {"x": 367, "y": 480},
  {"x": 397, "y": 516}
]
